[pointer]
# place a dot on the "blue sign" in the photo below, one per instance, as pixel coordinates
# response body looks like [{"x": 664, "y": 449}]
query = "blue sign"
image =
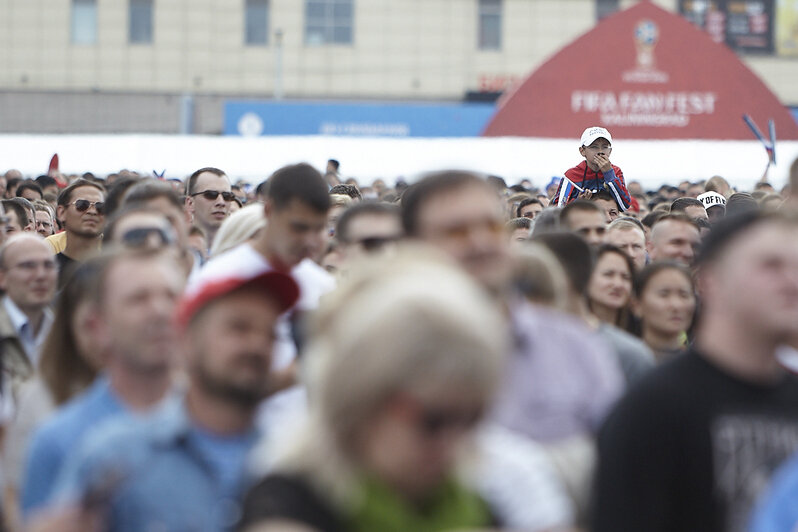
[{"x": 355, "y": 119}]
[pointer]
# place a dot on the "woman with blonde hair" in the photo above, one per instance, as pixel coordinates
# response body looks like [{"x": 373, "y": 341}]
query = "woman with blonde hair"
[
  {"x": 402, "y": 363},
  {"x": 239, "y": 227}
]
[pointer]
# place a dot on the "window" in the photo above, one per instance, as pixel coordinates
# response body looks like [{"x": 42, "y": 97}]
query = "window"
[
  {"x": 328, "y": 22},
  {"x": 490, "y": 24},
  {"x": 84, "y": 21},
  {"x": 256, "y": 22},
  {"x": 605, "y": 8},
  {"x": 140, "y": 25}
]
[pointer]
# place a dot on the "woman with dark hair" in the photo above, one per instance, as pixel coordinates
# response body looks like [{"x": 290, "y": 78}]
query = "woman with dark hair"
[
  {"x": 665, "y": 303},
  {"x": 610, "y": 288},
  {"x": 68, "y": 363}
]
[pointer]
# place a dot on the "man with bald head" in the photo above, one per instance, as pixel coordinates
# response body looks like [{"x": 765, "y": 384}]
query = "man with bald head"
[
  {"x": 28, "y": 276},
  {"x": 674, "y": 237}
]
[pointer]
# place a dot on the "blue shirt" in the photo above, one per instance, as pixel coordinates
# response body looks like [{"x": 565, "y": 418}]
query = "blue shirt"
[
  {"x": 160, "y": 473},
  {"x": 59, "y": 435},
  {"x": 777, "y": 511}
]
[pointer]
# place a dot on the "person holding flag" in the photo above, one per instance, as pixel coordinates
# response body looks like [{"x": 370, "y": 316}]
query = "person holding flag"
[{"x": 594, "y": 173}]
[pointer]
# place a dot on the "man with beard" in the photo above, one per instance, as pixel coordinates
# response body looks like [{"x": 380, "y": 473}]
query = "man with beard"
[
  {"x": 81, "y": 210},
  {"x": 182, "y": 468}
]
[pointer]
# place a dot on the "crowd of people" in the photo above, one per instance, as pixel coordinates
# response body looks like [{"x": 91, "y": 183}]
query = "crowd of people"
[{"x": 318, "y": 354}]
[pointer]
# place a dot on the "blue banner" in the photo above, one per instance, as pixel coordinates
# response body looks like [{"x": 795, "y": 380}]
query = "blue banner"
[{"x": 253, "y": 118}]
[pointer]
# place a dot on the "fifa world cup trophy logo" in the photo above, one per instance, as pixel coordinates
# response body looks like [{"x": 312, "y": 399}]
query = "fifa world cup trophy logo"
[{"x": 646, "y": 37}]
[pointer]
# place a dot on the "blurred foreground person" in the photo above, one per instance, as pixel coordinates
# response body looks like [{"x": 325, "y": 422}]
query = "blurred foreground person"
[
  {"x": 693, "y": 444},
  {"x": 130, "y": 315},
  {"x": 70, "y": 360},
  {"x": 295, "y": 214},
  {"x": 381, "y": 453},
  {"x": 183, "y": 467},
  {"x": 460, "y": 214}
]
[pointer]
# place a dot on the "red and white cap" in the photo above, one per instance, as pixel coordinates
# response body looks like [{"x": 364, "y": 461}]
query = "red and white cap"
[{"x": 277, "y": 285}]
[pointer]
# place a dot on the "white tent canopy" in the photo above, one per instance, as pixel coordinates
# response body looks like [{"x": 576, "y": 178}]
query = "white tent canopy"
[{"x": 652, "y": 162}]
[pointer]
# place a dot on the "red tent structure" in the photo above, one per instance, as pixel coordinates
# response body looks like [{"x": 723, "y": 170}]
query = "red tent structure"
[{"x": 643, "y": 73}]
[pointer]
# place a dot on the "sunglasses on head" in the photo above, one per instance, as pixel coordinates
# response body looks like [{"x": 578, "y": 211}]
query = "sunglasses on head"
[
  {"x": 83, "y": 205},
  {"x": 211, "y": 195}
]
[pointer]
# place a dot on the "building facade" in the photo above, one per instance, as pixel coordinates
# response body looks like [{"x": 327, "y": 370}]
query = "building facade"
[{"x": 165, "y": 65}]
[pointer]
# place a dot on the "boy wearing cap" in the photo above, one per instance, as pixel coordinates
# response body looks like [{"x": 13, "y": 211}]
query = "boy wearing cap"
[{"x": 596, "y": 172}]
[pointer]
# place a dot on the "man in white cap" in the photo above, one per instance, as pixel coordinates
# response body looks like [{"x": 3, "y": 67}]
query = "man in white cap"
[
  {"x": 714, "y": 203},
  {"x": 596, "y": 172}
]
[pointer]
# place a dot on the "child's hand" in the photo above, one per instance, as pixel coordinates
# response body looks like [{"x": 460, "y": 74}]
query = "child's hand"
[{"x": 603, "y": 163}]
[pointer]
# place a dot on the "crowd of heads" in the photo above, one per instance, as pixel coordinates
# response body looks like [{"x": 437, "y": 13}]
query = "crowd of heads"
[{"x": 399, "y": 312}]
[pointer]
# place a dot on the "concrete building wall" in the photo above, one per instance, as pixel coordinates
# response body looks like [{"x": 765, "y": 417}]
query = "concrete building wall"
[{"x": 401, "y": 49}]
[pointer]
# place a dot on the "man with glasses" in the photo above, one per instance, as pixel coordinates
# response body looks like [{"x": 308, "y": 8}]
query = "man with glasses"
[
  {"x": 81, "y": 210},
  {"x": 208, "y": 197},
  {"x": 45, "y": 218},
  {"x": 367, "y": 227}
]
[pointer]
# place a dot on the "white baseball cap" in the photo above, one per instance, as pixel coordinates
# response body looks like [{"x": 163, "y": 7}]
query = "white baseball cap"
[{"x": 593, "y": 133}]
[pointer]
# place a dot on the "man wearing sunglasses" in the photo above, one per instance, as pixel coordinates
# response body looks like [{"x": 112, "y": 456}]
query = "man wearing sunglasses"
[
  {"x": 367, "y": 228},
  {"x": 81, "y": 209},
  {"x": 208, "y": 198}
]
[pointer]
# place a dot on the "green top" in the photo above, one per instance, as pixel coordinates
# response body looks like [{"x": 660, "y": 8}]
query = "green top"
[{"x": 450, "y": 507}]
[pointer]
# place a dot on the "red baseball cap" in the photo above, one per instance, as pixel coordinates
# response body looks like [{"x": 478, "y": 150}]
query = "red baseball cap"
[{"x": 277, "y": 285}]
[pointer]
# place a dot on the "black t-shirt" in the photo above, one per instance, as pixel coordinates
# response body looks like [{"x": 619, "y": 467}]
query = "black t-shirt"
[
  {"x": 690, "y": 447},
  {"x": 290, "y": 498},
  {"x": 65, "y": 267}
]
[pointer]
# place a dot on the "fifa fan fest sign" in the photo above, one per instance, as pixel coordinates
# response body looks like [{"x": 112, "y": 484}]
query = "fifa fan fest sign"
[{"x": 644, "y": 73}]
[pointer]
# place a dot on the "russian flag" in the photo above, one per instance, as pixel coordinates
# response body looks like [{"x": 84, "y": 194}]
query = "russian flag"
[{"x": 566, "y": 188}]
